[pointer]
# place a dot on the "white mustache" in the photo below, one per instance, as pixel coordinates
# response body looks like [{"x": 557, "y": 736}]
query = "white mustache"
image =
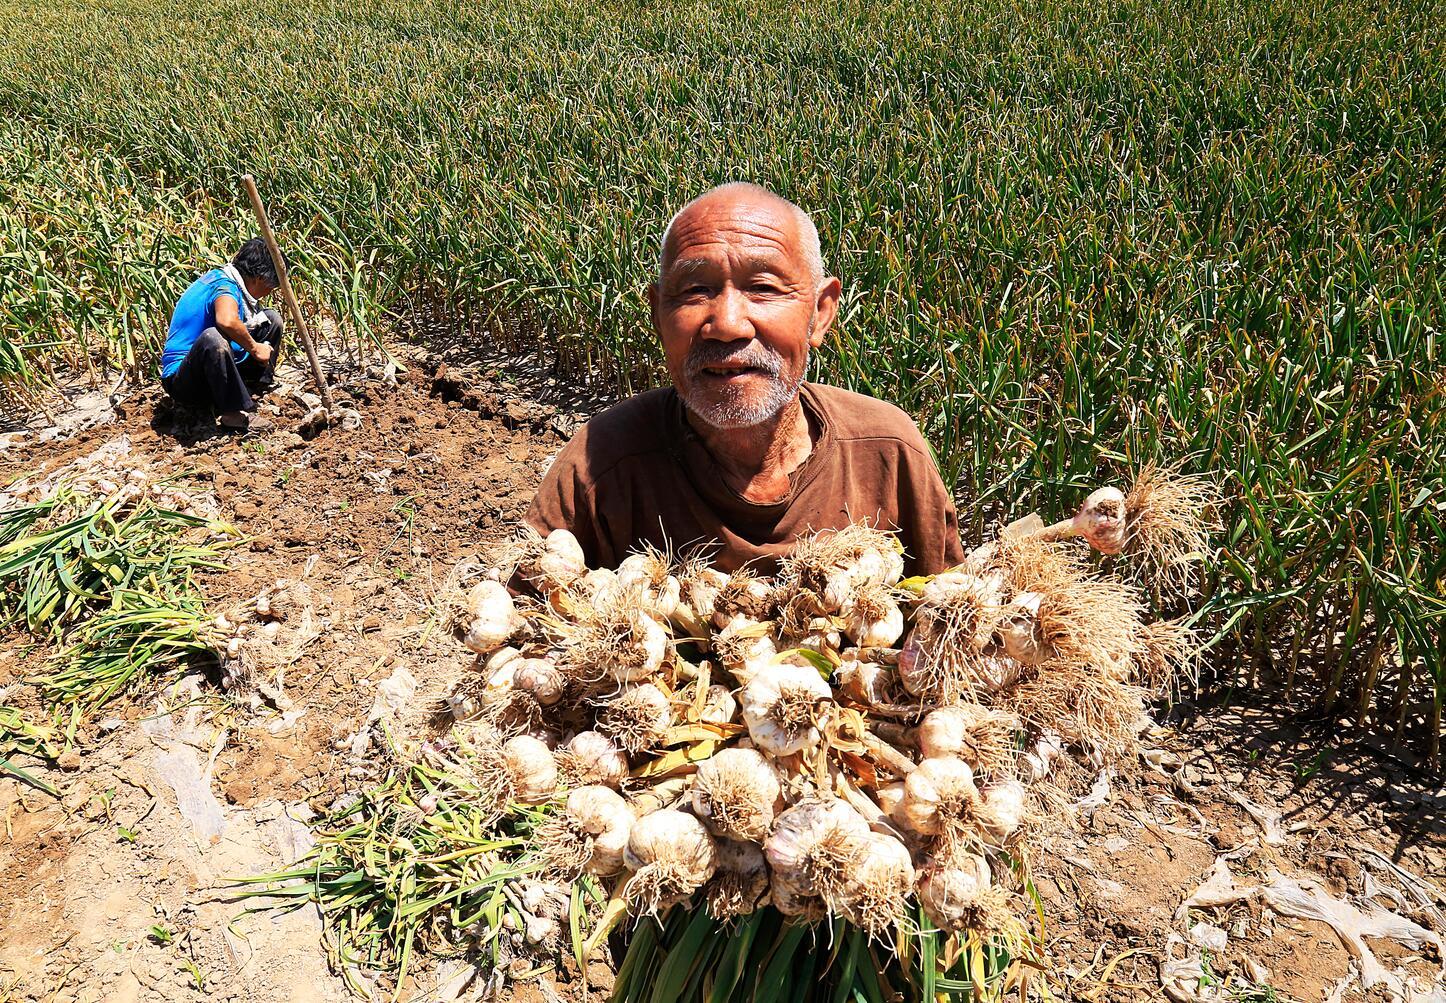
[{"x": 713, "y": 353}]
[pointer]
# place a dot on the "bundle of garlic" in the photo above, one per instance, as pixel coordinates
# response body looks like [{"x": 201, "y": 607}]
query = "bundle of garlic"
[{"x": 833, "y": 740}]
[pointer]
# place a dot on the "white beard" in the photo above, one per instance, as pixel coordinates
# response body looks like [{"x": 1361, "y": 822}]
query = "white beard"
[{"x": 738, "y": 411}]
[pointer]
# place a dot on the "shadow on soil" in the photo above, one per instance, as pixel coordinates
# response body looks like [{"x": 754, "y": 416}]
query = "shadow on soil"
[{"x": 1317, "y": 767}]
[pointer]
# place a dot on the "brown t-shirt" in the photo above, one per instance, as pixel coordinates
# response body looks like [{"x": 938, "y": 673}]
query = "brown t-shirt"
[{"x": 638, "y": 473}]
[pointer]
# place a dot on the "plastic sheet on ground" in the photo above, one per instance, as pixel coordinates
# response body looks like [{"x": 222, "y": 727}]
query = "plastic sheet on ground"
[{"x": 1306, "y": 898}]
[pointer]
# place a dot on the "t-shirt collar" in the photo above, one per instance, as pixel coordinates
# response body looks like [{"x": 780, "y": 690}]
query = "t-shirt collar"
[{"x": 703, "y": 469}]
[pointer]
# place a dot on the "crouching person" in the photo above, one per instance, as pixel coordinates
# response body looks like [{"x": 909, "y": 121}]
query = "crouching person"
[{"x": 221, "y": 343}]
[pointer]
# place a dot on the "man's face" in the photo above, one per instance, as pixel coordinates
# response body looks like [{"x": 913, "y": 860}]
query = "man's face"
[
  {"x": 738, "y": 309},
  {"x": 258, "y": 287}
]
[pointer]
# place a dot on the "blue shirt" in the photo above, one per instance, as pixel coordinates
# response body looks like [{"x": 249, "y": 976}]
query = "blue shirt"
[{"x": 195, "y": 311}]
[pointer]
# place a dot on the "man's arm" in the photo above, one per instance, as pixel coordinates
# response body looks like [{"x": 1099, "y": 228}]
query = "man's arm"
[
  {"x": 564, "y": 500},
  {"x": 229, "y": 323},
  {"x": 926, "y": 512}
]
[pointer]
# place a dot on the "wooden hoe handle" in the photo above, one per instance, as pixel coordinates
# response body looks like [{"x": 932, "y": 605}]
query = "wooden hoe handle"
[{"x": 285, "y": 282}]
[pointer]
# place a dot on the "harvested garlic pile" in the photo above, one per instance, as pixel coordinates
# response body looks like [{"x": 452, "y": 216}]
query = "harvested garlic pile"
[{"x": 833, "y": 740}]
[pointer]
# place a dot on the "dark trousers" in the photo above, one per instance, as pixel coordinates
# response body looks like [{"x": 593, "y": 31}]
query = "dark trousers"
[{"x": 210, "y": 376}]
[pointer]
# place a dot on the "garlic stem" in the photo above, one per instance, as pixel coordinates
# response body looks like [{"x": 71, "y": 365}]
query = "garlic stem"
[{"x": 890, "y": 758}]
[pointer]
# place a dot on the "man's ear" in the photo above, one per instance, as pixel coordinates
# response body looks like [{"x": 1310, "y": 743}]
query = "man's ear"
[
  {"x": 653, "y": 305},
  {"x": 825, "y": 310}
]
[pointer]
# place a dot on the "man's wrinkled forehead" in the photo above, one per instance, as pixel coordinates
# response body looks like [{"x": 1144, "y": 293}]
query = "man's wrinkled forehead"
[{"x": 755, "y": 233}]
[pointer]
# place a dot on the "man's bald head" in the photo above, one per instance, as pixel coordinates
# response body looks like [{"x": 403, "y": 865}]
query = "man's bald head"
[{"x": 746, "y": 195}]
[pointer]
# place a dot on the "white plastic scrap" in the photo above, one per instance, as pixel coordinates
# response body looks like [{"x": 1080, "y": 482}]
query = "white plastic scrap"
[
  {"x": 1208, "y": 936},
  {"x": 1306, "y": 898},
  {"x": 1162, "y": 761},
  {"x": 1269, "y": 821},
  {"x": 1425, "y": 893},
  {"x": 103, "y": 467},
  {"x": 393, "y": 694},
  {"x": 1184, "y": 980},
  {"x": 1217, "y": 890},
  {"x": 1098, "y": 796},
  {"x": 176, "y": 761}
]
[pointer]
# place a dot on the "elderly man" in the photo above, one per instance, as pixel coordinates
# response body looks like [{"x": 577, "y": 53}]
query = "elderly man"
[
  {"x": 741, "y": 455},
  {"x": 221, "y": 339}
]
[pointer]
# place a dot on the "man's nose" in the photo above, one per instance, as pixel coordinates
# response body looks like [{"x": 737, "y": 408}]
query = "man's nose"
[{"x": 730, "y": 320}]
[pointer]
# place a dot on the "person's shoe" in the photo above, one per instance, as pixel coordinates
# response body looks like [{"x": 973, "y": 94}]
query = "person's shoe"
[{"x": 244, "y": 421}]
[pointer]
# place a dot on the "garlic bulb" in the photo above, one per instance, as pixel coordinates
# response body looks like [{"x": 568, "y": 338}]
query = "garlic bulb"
[
  {"x": 941, "y": 733},
  {"x": 873, "y": 619},
  {"x": 541, "y": 678},
  {"x": 638, "y": 718},
  {"x": 647, "y": 576},
  {"x": 593, "y": 758},
  {"x": 530, "y": 764},
  {"x": 500, "y": 658},
  {"x": 564, "y": 544},
  {"x": 734, "y": 794},
  {"x": 1019, "y": 631},
  {"x": 1101, "y": 520},
  {"x": 788, "y": 900},
  {"x": 892, "y": 560},
  {"x": 889, "y": 797},
  {"x": 464, "y": 703},
  {"x": 743, "y": 594},
  {"x": 951, "y": 585},
  {"x": 949, "y": 650},
  {"x": 493, "y": 617},
  {"x": 940, "y": 799},
  {"x": 910, "y": 664},
  {"x": 492, "y": 688},
  {"x": 1038, "y": 763},
  {"x": 815, "y": 845},
  {"x": 875, "y": 895},
  {"x": 700, "y": 588},
  {"x": 862, "y": 563},
  {"x": 995, "y": 674},
  {"x": 918, "y": 673},
  {"x": 598, "y": 581},
  {"x": 671, "y": 855},
  {"x": 743, "y": 646},
  {"x": 821, "y": 636},
  {"x": 719, "y": 707},
  {"x": 868, "y": 683},
  {"x": 1003, "y": 810},
  {"x": 560, "y": 564},
  {"x": 952, "y": 892},
  {"x": 984, "y": 738},
  {"x": 740, "y": 885},
  {"x": 540, "y": 929},
  {"x": 779, "y": 704},
  {"x": 602, "y": 818},
  {"x": 641, "y": 650},
  {"x": 839, "y": 589}
]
